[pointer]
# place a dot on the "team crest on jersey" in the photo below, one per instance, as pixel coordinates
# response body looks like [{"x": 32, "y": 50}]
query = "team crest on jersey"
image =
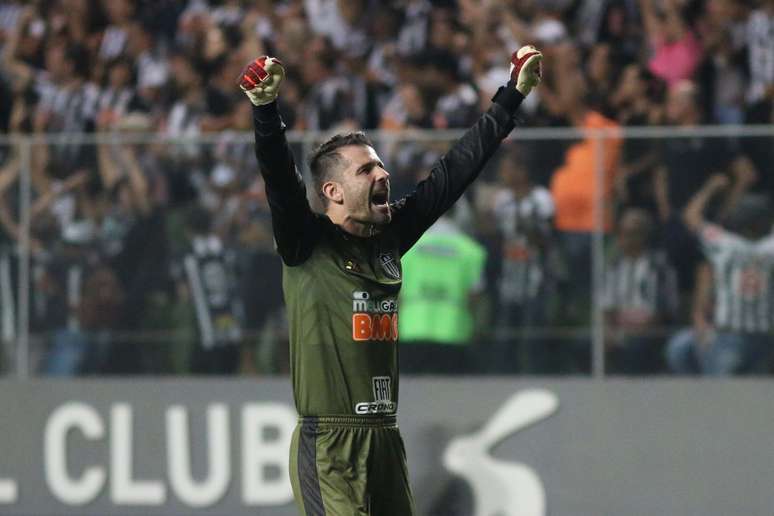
[{"x": 390, "y": 265}]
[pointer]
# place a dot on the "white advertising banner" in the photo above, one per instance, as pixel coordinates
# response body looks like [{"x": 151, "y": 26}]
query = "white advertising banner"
[{"x": 476, "y": 447}]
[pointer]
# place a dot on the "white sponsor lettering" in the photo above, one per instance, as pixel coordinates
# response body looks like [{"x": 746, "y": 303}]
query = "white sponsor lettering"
[
  {"x": 124, "y": 489},
  {"x": 362, "y": 302},
  {"x": 382, "y": 403},
  {"x": 376, "y": 407},
  {"x": 72, "y": 490},
  {"x": 500, "y": 487},
  {"x": 266, "y": 429},
  {"x": 261, "y": 451},
  {"x": 212, "y": 488},
  {"x": 381, "y": 388}
]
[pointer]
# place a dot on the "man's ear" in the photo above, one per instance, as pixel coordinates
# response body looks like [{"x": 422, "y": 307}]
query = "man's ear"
[{"x": 333, "y": 192}]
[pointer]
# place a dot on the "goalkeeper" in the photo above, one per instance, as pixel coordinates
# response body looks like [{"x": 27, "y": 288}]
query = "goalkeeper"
[{"x": 341, "y": 277}]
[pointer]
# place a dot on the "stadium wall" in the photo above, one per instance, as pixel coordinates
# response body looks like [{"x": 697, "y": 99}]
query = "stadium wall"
[{"x": 475, "y": 447}]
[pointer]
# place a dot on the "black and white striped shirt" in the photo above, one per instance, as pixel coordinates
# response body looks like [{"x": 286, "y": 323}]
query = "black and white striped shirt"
[
  {"x": 71, "y": 111},
  {"x": 642, "y": 289},
  {"x": 211, "y": 278},
  {"x": 760, "y": 43},
  {"x": 743, "y": 271},
  {"x": 115, "y": 100},
  {"x": 523, "y": 267}
]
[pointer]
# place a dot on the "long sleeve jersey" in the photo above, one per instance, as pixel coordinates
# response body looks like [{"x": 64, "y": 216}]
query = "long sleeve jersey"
[{"x": 341, "y": 290}]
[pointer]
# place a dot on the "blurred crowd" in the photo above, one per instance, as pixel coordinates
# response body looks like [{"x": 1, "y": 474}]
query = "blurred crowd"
[{"x": 158, "y": 258}]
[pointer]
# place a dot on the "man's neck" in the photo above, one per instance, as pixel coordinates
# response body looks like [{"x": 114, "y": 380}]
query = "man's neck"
[{"x": 351, "y": 226}]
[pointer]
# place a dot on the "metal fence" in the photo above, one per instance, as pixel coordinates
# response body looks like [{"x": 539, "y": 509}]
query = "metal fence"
[{"x": 72, "y": 203}]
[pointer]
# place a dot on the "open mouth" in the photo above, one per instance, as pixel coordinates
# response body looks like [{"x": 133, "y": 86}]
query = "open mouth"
[{"x": 380, "y": 198}]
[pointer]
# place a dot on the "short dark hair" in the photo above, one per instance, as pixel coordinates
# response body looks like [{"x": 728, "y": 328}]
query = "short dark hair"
[
  {"x": 326, "y": 158},
  {"x": 752, "y": 216}
]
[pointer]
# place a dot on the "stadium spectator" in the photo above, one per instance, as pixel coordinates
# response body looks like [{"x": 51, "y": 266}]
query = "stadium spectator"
[
  {"x": 109, "y": 349},
  {"x": 343, "y": 23},
  {"x": 676, "y": 51},
  {"x": 760, "y": 42},
  {"x": 636, "y": 103},
  {"x": 406, "y": 109},
  {"x": 616, "y": 23},
  {"x": 574, "y": 192},
  {"x": 722, "y": 73},
  {"x": 759, "y": 149},
  {"x": 102, "y": 32},
  {"x": 59, "y": 285},
  {"x": 523, "y": 213},
  {"x": 117, "y": 90},
  {"x": 640, "y": 297},
  {"x": 208, "y": 271},
  {"x": 333, "y": 98},
  {"x": 267, "y": 348},
  {"x": 190, "y": 101},
  {"x": 442, "y": 284},
  {"x": 68, "y": 67},
  {"x": 132, "y": 232},
  {"x": 68, "y": 104},
  {"x": 738, "y": 280},
  {"x": 151, "y": 68},
  {"x": 687, "y": 163},
  {"x": 455, "y": 99},
  {"x": 413, "y": 34},
  {"x": 602, "y": 70},
  {"x": 114, "y": 38},
  {"x": 538, "y": 21}
]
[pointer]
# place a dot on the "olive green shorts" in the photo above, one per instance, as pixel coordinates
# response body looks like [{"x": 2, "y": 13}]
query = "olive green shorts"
[{"x": 350, "y": 466}]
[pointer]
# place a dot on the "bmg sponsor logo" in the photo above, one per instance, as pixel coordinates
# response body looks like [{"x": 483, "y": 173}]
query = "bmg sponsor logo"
[{"x": 374, "y": 319}]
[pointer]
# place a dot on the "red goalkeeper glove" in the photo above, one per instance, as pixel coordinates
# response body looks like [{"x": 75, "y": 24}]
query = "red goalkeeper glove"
[
  {"x": 526, "y": 69},
  {"x": 261, "y": 79}
]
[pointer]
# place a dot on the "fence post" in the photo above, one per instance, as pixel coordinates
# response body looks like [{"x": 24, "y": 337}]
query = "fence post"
[
  {"x": 598, "y": 259},
  {"x": 25, "y": 191}
]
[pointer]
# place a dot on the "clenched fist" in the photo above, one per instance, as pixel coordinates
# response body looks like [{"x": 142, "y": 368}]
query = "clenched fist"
[
  {"x": 261, "y": 79},
  {"x": 526, "y": 69}
]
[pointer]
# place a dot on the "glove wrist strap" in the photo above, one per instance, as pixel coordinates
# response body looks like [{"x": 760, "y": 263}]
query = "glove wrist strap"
[{"x": 508, "y": 97}]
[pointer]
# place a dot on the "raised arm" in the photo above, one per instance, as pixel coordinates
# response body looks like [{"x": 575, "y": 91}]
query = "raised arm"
[
  {"x": 693, "y": 215},
  {"x": 457, "y": 169},
  {"x": 13, "y": 66},
  {"x": 292, "y": 219},
  {"x": 674, "y": 18},
  {"x": 701, "y": 309},
  {"x": 653, "y": 27}
]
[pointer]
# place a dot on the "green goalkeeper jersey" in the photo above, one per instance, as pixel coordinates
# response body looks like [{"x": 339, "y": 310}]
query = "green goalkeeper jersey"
[
  {"x": 341, "y": 290},
  {"x": 343, "y": 315}
]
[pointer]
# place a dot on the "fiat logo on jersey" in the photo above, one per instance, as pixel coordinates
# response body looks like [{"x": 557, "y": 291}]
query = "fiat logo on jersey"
[{"x": 390, "y": 265}]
